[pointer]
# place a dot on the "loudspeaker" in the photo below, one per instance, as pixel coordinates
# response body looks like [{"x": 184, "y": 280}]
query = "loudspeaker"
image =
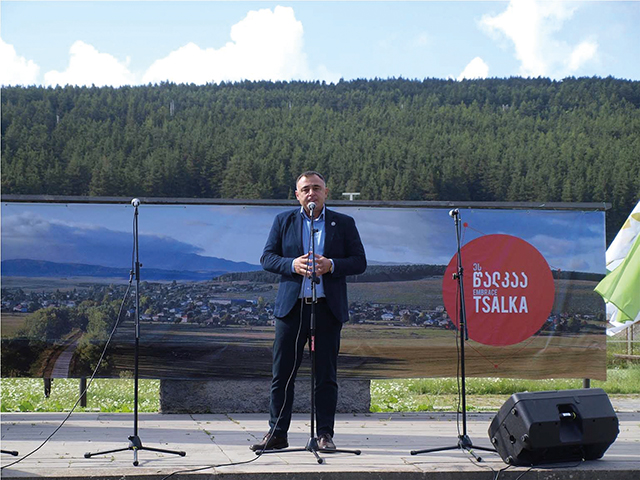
[{"x": 559, "y": 426}]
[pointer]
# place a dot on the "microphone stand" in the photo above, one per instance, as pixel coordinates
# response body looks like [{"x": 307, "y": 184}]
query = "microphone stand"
[
  {"x": 135, "y": 443},
  {"x": 312, "y": 443},
  {"x": 464, "y": 442}
]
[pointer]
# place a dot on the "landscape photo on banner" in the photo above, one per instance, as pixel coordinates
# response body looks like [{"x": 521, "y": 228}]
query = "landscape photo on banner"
[{"x": 206, "y": 305}]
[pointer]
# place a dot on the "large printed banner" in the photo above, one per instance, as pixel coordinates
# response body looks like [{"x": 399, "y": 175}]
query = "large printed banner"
[
  {"x": 206, "y": 305},
  {"x": 512, "y": 290}
]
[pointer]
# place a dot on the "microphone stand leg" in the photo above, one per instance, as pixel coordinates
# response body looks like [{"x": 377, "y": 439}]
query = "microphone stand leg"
[
  {"x": 312, "y": 446},
  {"x": 430, "y": 450},
  {"x": 464, "y": 443}
]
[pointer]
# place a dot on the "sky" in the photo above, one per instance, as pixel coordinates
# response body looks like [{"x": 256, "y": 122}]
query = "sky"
[
  {"x": 118, "y": 43},
  {"x": 101, "y": 234}
]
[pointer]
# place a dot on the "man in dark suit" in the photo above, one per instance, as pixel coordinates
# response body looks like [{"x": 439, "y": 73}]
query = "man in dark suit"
[{"x": 338, "y": 253}]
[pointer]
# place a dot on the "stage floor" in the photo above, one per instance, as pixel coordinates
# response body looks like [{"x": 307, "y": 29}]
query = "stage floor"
[{"x": 209, "y": 440}]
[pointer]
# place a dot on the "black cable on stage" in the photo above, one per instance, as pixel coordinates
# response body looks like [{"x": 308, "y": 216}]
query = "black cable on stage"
[
  {"x": 525, "y": 472},
  {"x": 549, "y": 467},
  {"x": 499, "y": 471},
  {"x": 95, "y": 371},
  {"x": 269, "y": 435},
  {"x": 496, "y": 473}
]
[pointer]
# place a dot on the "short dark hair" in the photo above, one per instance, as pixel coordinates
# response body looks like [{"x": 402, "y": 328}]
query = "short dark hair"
[{"x": 310, "y": 173}]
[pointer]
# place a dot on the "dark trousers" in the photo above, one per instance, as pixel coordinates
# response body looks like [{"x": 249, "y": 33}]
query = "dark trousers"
[{"x": 327, "y": 346}]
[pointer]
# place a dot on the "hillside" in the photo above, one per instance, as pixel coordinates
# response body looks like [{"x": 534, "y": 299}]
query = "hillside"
[{"x": 515, "y": 139}]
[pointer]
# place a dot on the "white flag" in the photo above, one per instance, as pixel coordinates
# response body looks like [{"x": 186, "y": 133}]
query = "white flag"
[
  {"x": 615, "y": 256},
  {"x": 621, "y": 245}
]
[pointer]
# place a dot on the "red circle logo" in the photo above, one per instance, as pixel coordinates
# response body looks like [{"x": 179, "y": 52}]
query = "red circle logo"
[{"x": 508, "y": 289}]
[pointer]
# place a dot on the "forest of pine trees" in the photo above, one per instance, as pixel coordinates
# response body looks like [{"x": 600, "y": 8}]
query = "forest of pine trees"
[{"x": 575, "y": 140}]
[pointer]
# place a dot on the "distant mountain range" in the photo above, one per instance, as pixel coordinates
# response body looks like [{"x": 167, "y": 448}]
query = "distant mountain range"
[
  {"x": 254, "y": 273},
  {"x": 40, "y": 268},
  {"x": 373, "y": 274},
  {"x": 394, "y": 273},
  {"x": 193, "y": 262}
]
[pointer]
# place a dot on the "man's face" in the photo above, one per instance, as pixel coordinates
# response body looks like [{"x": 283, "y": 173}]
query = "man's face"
[{"x": 311, "y": 189}]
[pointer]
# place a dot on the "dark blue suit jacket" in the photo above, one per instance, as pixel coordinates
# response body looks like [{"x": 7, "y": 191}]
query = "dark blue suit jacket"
[{"x": 342, "y": 244}]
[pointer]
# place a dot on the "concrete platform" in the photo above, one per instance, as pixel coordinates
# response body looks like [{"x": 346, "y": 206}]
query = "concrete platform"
[{"x": 211, "y": 440}]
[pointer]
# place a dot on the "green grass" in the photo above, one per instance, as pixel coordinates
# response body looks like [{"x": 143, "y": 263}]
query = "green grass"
[
  {"x": 104, "y": 395},
  {"x": 618, "y": 381},
  {"x": 432, "y": 394},
  {"x": 399, "y": 395}
]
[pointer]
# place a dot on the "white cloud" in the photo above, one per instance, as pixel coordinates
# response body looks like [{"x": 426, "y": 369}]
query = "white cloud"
[
  {"x": 25, "y": 225},
  {"x": 582, "y": 54},
  {"x": 323, "y": 73},
  {"x": 87, "y": 66},
  {"x": 16, "y": 70},
  {"x": 476, "y": 68},
  {"x": 532, "y": 25},
  {"x": 265, "y": 45}
]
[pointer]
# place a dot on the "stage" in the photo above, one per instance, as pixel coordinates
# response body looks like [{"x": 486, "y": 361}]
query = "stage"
[{"x": 213, "y": 439}]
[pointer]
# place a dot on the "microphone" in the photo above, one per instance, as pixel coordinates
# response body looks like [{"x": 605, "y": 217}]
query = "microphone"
[
  {"x": 312, "y": 206},
  {"x": 135, "y": 202},
  {"x": 453, "y": 213}
]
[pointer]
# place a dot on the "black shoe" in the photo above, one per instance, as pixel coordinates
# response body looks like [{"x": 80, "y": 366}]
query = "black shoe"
[
  {"x": 325, "y": 442},
  {"x": 270, "y": 443}
]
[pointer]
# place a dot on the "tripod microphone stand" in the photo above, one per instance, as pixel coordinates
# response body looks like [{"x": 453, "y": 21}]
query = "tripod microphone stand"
[
  {"x": 312, "y": 443},
  {"x": 464, "y": 442},
  {"x": 135, "y": 443}
]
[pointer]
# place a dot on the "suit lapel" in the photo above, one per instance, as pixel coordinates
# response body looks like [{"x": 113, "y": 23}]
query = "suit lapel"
[
  {"x": 297, "y": 231},
  {"x": 330, "y": 227}
]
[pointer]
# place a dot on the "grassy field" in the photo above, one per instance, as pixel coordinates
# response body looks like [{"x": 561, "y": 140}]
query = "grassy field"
[
  {"x": 104, "y": 395},
  {"x": 400, "y": 395},
  {"x": 191, "y": 351},
  {"x": 11, "y": 323},
  {"x": 441, "y": 394},
  {"x": 50, "y": 284},
  {"x": 188, "y": 351}
]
